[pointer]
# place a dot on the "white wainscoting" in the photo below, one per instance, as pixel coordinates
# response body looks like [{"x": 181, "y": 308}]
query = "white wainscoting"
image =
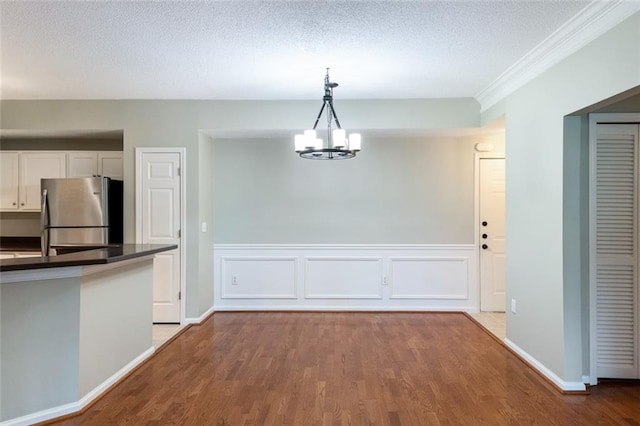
[
  {"x": 429, "y": 277},
  {"x": 345, "y": 277},
  {"x": 263, "y": 277}
]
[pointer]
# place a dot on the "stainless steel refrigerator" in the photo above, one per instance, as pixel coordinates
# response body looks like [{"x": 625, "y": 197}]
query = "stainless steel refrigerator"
[{"x": 81, "y": 212}]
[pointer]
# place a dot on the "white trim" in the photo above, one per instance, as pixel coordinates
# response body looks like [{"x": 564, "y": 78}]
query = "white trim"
[
  {"x": 74, "y": 407},
  {"x": 593, "y": 339},
  {"x": 201, "y": 318},
  {"x": 182, "y": 152},
  {"x": 476, "y": 209},
  {"x": 553, "y": 377},
  {"x": 343, "y": 308},
  {"x": 333, "y": 247},
  {"x": 595, "y": 19}
]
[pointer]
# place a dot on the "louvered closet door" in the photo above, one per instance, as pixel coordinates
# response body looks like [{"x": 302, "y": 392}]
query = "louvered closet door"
[{"x": 616, "y": 239}]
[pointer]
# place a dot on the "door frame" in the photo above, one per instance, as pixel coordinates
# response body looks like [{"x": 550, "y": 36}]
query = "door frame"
[
  {"x": 594, "y": 120},
  {"x": 476, "y": 212},
  {"x": 182, "y": 153}
]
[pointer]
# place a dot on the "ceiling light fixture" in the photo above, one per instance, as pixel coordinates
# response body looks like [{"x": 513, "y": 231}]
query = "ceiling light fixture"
[{"x": 337, "y": 146}]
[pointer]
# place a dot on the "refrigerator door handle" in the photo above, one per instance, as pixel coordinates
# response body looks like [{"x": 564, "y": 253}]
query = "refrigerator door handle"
[{"x": 44, "y": 224}]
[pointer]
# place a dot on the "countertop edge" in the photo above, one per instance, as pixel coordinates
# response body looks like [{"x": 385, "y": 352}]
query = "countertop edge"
[{"x": 85, "y": 258}]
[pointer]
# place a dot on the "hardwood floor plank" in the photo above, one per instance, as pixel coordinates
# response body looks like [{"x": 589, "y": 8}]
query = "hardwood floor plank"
[{"x": 348, "y": 369}]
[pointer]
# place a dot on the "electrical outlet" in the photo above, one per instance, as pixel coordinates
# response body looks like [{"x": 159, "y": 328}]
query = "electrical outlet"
[
  {"x": 385, "y": 280},
  {"x": 204, "y": 226},
  {"x": 513, "y": 306},
  {"x": 234, "y": 280}
]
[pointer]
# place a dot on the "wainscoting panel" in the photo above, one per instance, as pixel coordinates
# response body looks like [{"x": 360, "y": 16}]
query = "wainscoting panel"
[
  {"x": 343, "y": 278},
  {"x": 429, "y": 277},
  {"x": 267, "y": 277},
  {"x": 362, "y": 277}
]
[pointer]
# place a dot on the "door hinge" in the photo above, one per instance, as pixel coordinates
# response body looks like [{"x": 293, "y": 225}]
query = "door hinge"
[
  {"x": 178, "y": 171},
  {"x": 179, "y": 233},
  {"x": 179, "y": 295}
]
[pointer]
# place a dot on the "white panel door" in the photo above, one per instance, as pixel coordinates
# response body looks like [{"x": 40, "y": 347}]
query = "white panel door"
[
  {"x": 616, "y": 251},
  {"x": 492, "y": 235},
  {"x": 34, "y": 166},
  {"x": 161, "y": 199},
  {"x": 9, "y": 181}
]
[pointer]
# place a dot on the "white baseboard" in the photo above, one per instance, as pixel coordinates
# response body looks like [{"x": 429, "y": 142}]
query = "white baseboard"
[
  {"x": 346, "y": 308},
  {"x": 553, "y": 377},
  {"x": 201, "y": 318},
  {"x": 73, "y": 407}
]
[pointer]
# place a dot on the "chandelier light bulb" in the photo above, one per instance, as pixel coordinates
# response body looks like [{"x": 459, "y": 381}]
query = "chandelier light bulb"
[
  {"x": 339, "y": 138},
  {"x": 300, "y": 143},
  {"x": 355, "y": 141}
]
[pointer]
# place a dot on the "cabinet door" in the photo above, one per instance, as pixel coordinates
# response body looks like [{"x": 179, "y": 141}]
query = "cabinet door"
[
  {"x": 82, "y": 164},
  {"x": 110, "y": 164},
  {"x": 33, "y": 167},
  {"x": 9, "y": 181}
]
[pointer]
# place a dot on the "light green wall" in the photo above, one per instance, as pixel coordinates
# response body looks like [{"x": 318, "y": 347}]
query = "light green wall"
[
  {"x": 396, "y": 191},
  {"x": 177, "y": 123},
  {"x": 39, "y": 324},
  {"x": 205, "y": 207},
  {"x": 536, "y": 198}
]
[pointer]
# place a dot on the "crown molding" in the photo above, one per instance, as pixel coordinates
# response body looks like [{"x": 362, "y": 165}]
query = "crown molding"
[{"x": 590, "y": 23}]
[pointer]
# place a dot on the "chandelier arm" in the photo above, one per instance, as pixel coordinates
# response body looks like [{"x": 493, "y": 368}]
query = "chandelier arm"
[
  {"x": 319, "y": 115},
  {"x": 333, "y": 112}
]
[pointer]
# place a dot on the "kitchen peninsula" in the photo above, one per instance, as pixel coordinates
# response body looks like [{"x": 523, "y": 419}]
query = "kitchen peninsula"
[{"x": 71, "y": 326}]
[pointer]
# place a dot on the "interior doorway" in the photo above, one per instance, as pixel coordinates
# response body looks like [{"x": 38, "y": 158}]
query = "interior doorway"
[{"x": 491, "y": 232}]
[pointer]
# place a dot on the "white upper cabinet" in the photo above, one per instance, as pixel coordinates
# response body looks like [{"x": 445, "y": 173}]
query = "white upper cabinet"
[
  {"x": 9, "y": 181},
  {"x": 95, "y": 163},
  {"x": 82, "y": 164},
  {"x": 110, "y": 164},
  {"x": 34, "y": 166}
]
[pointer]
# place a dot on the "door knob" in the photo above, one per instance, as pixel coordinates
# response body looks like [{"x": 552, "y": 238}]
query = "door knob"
[
  {"x": 14, "y": 204},
  {"x": 484, "y": 247},
  {"x": 484, "y": 223},
  {"x": 484, "y": 236}
]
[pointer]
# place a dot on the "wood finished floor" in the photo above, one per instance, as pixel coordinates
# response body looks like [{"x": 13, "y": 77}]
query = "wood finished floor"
[{"x": 348, "y": 368}]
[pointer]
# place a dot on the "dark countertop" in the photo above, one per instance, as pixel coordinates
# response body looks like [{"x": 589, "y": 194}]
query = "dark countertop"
[
  {"x": 19, "y": 243},
  {"x": 99, "y": 256}
]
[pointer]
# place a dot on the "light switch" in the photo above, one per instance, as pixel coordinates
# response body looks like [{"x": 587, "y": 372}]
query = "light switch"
[{"x": 204, "y": 226}]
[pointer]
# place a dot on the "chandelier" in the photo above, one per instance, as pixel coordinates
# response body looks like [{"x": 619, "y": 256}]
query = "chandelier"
[{"x": 337, "y": 146}]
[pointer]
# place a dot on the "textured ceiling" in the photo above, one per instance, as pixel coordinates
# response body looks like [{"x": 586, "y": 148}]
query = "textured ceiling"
[{"x": 265, "y": 50}]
